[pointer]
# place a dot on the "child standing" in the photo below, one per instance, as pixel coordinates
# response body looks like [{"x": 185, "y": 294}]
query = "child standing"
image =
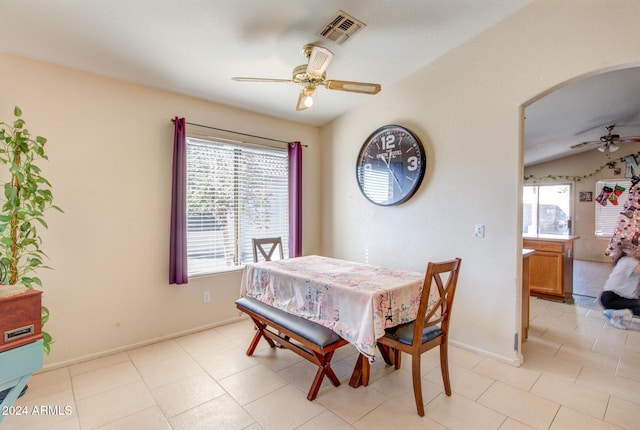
[{"x": 621, "y": 290}]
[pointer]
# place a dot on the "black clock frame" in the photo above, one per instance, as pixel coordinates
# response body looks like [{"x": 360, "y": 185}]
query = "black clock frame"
[{"x": 421, "y": 169}]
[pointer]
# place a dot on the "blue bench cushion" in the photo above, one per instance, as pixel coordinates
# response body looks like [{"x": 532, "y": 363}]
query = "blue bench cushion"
[
  {"x": 404, "y": 333},
  {"x": 309, "y": 330}
]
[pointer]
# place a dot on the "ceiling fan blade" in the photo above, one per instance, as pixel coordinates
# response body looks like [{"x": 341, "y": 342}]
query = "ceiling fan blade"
[
  {"x": 319, "y": 60},
  {"x": 630, "y": 139},
  {"x": 583, "y": 144},
  {"x": 354, "y": 87},
  {"x": 241, "y": 79}
]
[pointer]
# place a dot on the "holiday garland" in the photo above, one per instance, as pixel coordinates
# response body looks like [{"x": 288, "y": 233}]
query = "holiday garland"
[{"x": 611, "y": 164}]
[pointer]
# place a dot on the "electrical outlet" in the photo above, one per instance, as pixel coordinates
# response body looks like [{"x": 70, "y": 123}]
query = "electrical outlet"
[
  {"x": 479, "y": 230},
  {"x": 206, "y": 297}
]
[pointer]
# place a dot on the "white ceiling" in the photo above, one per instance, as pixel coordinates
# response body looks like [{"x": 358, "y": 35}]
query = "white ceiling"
[
  {"x": 195, "y": 47},
  {"x": 579, "y": 112}
]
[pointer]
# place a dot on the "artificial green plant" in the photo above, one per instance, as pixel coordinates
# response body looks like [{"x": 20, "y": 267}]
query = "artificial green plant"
[{"x": 27, "y": 196}]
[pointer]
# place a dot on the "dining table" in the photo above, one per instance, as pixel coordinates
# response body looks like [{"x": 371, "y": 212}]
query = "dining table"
[{"x": 358, "y": 301}]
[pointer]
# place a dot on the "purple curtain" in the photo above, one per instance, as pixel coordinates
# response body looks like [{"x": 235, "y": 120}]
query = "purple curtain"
[
  {"x": 178, "y": 241},
  {"x": 295, "y": 199}
]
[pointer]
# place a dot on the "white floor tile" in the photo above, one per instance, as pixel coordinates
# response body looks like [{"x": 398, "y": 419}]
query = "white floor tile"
[
  {"x": 113, "y": 405},
  {"x": 523, "y": 406},
  {"x": 578, "y": 373},
  {"x": 186, "y": 393},
  {"x": 220, "y": 413},
  {"x": 457, "y": 412},
  {"x": 298, "y": 409}
]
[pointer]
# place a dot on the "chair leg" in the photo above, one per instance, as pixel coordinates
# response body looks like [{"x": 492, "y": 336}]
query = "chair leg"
[
  {"x": 397, "y": 354},
  {"x": 444, "y": 367},
  {"x": 417, "y": 383},
  {"x": 384, "y": 351}
]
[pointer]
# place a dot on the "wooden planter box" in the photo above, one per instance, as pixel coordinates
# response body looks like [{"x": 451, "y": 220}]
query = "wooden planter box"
[{"x": 20, "y": 319}]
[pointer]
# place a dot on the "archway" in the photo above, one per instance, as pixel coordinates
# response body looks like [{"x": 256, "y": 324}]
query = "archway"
[{"x": 566, "y": 116}]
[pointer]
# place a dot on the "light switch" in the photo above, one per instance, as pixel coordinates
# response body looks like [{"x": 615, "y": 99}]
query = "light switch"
[{"x": 479, "y": 230}]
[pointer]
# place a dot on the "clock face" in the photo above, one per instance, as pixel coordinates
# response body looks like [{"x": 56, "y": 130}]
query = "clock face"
[{"x": 391, "y": 165}]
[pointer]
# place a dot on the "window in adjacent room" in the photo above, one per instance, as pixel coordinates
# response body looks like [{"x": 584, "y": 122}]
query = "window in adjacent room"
[
  {"x": 546, "y": 209},
  {"x": 607, "y": 215},
  {"x": 235, "y": 192}
]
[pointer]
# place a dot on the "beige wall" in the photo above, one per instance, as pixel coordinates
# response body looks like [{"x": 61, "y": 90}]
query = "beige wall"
[
  {"x": 588, "y": 247},
  {"x": 110, "y": 148},
  {"x": 466, "y": 107}
]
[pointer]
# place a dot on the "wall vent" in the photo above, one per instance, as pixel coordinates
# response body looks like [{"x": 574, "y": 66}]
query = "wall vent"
[{"x": 341, "y": 28}]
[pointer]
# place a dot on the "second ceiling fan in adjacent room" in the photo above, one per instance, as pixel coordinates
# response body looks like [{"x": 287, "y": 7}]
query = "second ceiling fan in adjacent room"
[{"x": 609, "y": 142}]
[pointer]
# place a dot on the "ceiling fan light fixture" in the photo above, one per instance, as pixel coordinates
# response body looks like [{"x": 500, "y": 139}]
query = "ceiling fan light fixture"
[
  {"x": 308, "y": 101},
  {"x": 601, "y": 148},
  {"x": 305, "y": 100},
  {"x": 307, "y": 96},
  {"x": 613, "y": 148}
]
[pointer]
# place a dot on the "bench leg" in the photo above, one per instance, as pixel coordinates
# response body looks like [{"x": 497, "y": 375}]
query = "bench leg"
[
  {"x": 259, "y": 334},
  {"x": 324, "y": 368},
  {"x": 327, "y": 366}
]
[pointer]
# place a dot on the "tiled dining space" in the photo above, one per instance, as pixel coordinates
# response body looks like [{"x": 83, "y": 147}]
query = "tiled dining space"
[{"x": 579, "y": 373}]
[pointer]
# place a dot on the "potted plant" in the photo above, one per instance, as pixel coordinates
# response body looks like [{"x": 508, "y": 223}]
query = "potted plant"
[{"x": 25, "y": 197}]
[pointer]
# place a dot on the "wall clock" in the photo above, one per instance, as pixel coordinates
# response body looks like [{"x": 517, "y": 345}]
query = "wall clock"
[{"x": 391, "y": 165}]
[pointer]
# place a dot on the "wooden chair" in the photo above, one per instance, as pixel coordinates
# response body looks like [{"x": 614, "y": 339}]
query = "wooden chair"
[
  {"x": 266, "y": 252},
  {"x": 430, "y": 328}
]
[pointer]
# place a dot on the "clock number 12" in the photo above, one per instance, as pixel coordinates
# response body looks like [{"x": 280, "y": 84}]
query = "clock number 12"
[{"x": 387, "y": 142}]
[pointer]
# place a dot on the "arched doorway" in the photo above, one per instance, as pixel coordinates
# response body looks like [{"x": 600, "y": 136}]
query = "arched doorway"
[{"x": 556, "y": 126}]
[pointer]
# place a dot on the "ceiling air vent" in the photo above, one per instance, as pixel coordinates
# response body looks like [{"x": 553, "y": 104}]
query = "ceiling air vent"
[{"x": 341, "y": 28}]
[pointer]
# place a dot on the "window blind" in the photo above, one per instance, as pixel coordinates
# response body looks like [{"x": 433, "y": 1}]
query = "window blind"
[{"x": 235, "y": 192}]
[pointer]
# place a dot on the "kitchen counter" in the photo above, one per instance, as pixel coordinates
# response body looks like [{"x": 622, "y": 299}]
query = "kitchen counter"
[
  {"x": 551, "y": 267},
  {"x": 550, "y": 237},
  {"x": 526, "y": 253}
]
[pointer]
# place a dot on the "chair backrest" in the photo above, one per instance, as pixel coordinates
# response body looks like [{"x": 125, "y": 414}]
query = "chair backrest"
[
  {"x": 267, "y": 247},
  {"x": 436, "y": 300}
]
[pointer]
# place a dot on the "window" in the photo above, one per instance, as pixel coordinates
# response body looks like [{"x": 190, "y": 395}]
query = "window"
[
  {"x": 608, "y": 215},
  {"x": 235, "y": 192},
  {"x": 546, "y": 209}
]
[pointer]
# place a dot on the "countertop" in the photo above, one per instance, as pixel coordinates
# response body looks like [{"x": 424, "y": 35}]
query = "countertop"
[{"x": 551, "y": 237}]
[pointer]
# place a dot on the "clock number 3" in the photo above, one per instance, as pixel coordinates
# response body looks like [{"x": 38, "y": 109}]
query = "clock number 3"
[{"x": 413, "y": 163}]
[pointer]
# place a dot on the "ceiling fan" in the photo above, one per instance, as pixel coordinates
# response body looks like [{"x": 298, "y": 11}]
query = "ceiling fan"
[
  {"x": 609, "y": 142},
  {"x": 313, "y": 74}
]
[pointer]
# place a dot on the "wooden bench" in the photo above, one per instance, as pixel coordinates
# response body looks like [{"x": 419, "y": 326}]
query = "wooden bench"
[{"x": 308, "y": 339}]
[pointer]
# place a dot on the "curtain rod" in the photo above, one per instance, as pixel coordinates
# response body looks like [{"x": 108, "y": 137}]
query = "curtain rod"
[{"x": 237, "y": 132}]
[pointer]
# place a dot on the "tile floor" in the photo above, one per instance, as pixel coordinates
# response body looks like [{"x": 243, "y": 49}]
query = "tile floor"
[{"x": 579, "y": 373}]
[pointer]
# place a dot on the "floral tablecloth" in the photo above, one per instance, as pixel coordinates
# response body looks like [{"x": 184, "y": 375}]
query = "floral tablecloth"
[{"x": 357, "y": 301}]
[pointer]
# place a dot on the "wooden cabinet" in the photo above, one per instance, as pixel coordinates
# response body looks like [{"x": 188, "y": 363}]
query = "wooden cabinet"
[
  {"x": 526, "y": 256},
  {"x": 551, "y": 267}
]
